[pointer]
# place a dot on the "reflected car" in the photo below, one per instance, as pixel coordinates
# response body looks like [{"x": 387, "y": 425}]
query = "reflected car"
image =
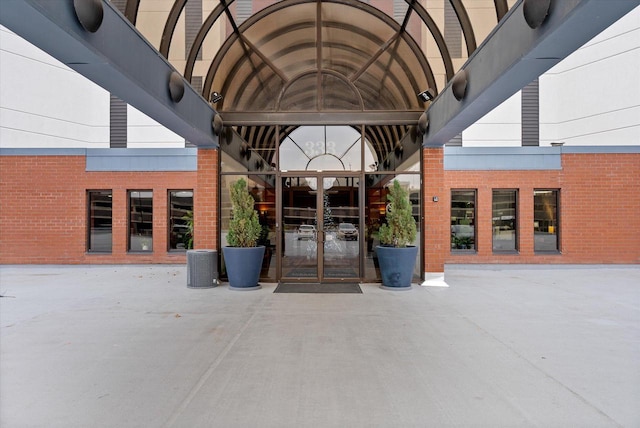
[
  {"x": 306, "y": 231},
  {"x": 347, "y": 231}
]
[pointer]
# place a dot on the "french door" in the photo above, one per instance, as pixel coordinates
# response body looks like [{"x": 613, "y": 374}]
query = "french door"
[{"x": 320, "y": 227}]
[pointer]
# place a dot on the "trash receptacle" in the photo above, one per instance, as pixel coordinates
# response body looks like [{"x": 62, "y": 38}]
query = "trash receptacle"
[{"x": 202, "y": 268}]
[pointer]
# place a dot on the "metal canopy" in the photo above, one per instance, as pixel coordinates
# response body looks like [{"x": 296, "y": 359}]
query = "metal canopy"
[
  {"x": 320, "y": 56},
  {"x": 311, "y": 60},
  {"x": 116, "y": 57},
  {"x": 513, "y": 55}
]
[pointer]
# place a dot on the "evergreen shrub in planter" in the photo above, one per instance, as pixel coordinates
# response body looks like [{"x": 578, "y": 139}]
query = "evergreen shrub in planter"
[
  {"x": 396, "y": 255},
  {"x": 243, "y": 258}
]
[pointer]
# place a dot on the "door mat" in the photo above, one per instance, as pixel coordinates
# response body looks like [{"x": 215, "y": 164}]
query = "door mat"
[{"x": 316, "y": 287}]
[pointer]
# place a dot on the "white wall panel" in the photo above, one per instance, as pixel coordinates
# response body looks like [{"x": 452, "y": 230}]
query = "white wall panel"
[
  {"x": 43, "y": 103},
  {"x": 593, "y": 96},
  {"x": 143, "y": 132},
  {"x": 498, "y": 128}
]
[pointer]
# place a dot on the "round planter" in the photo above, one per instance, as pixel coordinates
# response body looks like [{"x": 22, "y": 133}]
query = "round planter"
[
  {"x": 243, "y": 266},
  {"x": 396, "y": 266}
]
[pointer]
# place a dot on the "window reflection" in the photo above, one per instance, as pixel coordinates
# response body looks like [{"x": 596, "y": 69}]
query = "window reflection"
[
  {"x": 140, "y": 220},
  {"x": 100, "y": 221},
  {"x": 463, "y": 215},
  {"x": 504, "y": 220},
  {"x": 180, "y": 219},
  {"x": 375, "y": 215},
  {"x": 545, "y": 220},
  {"x": 262, "y": 189}
]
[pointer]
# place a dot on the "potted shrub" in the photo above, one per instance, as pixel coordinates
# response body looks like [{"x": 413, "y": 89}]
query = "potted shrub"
[
  {"x": 396, "y": 255},
  {"x": 243, "y": 258}
]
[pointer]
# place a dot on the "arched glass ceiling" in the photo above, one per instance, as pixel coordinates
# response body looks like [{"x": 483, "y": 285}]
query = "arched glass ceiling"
[
  {"x": 317, "y": 55},
  {"x": 312, "y": 56},
  {"x": 272, "y": 42}
]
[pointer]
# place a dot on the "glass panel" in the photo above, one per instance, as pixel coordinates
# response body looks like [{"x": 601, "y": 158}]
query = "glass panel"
[
  {"x": 321, "y": 148},
  {"x": 341, "y": 226},
  {"x": 345, "y": 143},
  {"x": 287, "y": 39},
  {"x": 375, "y": 215},
  {"x": 299, "y": 223},
  {"x": 545, "y": 220},
  {"x": 301, "y": 95},
  {"x": 463, "y": 215},
  {"x": 100, "y": 221},
  {"x": 264, "y": 192},
  {"x": 338, "y": 95},
  {"x": 140, "y": 220},
  {"x": 504, "y": 220},
  {"x": 180, "y": 219},
  {"x": 395, "y": 148},
  {"x": 262, "y": 188},
  {"x": 229, "y": 164}
]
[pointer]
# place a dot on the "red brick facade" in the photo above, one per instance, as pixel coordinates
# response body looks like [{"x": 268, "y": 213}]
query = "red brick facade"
[
  {"x": 43, "y": 209},
  {"x": 598, "y": 202}
]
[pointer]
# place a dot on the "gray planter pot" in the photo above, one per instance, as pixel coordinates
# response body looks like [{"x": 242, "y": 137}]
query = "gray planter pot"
[
  {"x": 243, "y": 266},
  {"x": 396, "y": 266}
]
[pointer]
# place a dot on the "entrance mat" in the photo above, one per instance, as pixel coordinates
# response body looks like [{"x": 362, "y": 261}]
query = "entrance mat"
[{"x": 317, "y": 287}]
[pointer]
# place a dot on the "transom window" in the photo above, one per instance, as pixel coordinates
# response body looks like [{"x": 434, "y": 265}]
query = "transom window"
[{"x": 324, "y": 148}]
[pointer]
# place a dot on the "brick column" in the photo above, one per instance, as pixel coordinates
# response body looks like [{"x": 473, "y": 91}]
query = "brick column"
[
  {"x": 436, "y": 225},
  {"x": 205, "y": 212}
]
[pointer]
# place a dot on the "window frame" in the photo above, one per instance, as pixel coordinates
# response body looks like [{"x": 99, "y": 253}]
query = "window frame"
[
  {"x": 556, "y": 221},
  {"x": 169, "y": 217},
  {"x": 90, "y": 224},
  {"x": 474, "y": 248},
  {"x": 129, "y": 222}
]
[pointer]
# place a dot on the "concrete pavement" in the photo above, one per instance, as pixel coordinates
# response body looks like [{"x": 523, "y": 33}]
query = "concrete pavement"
[{"x": 131, "y": 346}]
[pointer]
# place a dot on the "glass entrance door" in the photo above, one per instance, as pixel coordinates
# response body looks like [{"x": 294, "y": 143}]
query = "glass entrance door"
[{"x": 320, "y": 228}]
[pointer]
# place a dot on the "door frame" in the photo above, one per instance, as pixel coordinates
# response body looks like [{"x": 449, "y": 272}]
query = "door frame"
[{"x": 320, "y": 176}]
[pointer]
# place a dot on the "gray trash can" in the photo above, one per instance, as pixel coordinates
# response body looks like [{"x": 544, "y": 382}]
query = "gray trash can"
[{"x": 202, "y": 268}]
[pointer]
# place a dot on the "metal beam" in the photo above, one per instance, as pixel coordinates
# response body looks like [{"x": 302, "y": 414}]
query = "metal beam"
[
  {"x": 513, "y": 55},
  {"x": 233, "y": 118},
  {"x": 116, "y": 57}
]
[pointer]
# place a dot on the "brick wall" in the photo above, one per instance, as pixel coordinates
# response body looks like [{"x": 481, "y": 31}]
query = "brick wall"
[
  {"x": 206, "y": 201},
  {"x": 436, "y": 237},
  {"x": 598, "y": 205},
  {"x": 43, "y": 210}
]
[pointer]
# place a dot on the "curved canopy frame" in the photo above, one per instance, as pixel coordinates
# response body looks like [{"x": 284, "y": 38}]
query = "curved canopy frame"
[{"x": 320, "y": 55}]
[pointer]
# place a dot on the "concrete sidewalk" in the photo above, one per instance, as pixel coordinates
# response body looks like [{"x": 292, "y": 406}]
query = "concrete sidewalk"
[{"x": 131, "y": 346}]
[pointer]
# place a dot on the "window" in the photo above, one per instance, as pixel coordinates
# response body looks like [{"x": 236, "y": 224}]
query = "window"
[
  {"x": 180, "y": 219},
  {"x": 505, "y": 220},
  {"x": 545, "y": 220},
  {"x": 463, "y": 220},
  {"x": 140, "y": 220},
  {"x": 100, "y": 221}
]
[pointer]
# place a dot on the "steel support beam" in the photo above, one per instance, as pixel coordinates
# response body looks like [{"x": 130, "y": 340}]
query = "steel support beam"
[
  {"x": 233, "y": 118},
  {"x": 116, "y": 57},
  {"x": 513, "y": 55}
]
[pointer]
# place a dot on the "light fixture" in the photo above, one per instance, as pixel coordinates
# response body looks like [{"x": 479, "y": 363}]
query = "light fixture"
[
  {"x": 425, "y": 96},
  {"x": 215, "y": 97}
]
